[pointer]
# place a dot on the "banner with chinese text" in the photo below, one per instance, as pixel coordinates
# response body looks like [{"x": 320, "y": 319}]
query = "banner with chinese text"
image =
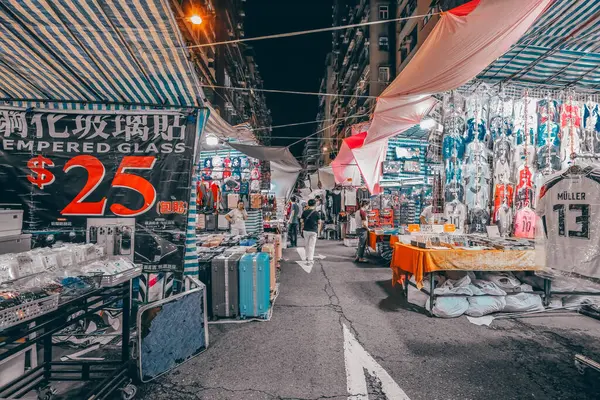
[{"x": 117, "y": 178}]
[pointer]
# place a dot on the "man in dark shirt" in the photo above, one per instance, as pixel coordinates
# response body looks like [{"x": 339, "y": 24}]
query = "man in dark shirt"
[
  {"x": 294, "y": 221},
  {"x": 362, "y": 230},
  {"x": 310, "y": 223}
]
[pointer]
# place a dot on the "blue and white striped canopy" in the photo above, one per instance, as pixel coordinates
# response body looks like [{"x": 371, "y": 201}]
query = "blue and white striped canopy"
[
  {"x": 106, "y": 51},
  {"x": 562, "y": 49}
]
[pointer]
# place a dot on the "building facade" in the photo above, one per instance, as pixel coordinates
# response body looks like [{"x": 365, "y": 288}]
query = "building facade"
[
  {"x": 364, "y": 61},
  {"x": 360, "y": 66},
  {"x": 225, "y": 67}
]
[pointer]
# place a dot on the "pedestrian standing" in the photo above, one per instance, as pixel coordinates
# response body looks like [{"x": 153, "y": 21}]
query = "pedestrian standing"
[
  {"x": 310, "y": 224},
  {"x": 237, "y": 217},
  {"x": 294, "y": 221},
  {"x": 362, "y": 230}
]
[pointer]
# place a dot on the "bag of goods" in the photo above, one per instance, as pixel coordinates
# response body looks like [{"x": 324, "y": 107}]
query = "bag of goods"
[
  {"x": 504, "y": 280},
  {"x": 450, "y": 307},
  {"x": 488, "y": 287},
  {"x": 484, "y": 305},
  {"x": 523, "y": 302}
]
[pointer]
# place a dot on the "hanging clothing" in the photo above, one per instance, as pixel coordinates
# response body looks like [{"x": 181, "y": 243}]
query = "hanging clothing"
[{"x": 336, "y": 198}]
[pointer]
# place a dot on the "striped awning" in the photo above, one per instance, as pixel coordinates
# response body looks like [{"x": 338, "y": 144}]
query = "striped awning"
[
  {"x": 97, "y": 51},
  {"x": 562, "y": 49}
]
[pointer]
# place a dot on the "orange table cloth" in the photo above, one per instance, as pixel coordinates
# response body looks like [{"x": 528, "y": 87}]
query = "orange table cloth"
[
  {"x": 373, "y": 240},
  {"x": 418, "y": 262}
]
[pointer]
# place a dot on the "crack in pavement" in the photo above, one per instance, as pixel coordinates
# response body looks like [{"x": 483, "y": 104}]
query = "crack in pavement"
[{"x": 330, "y": 292}]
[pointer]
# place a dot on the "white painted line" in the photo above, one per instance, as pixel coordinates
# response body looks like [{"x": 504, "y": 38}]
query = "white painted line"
[
  {"x": 357, "y": 360},
  {"x": 320, "y": 257},
  {"x": 301, "y": 253},
  {"x": 306, "y": 266}
]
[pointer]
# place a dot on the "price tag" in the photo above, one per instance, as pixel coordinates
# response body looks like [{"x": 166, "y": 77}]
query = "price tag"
[
  {"x": 427, "y": 228},
  {"x": 414, "y": 228},
  {"x": 449, "y": 228}
]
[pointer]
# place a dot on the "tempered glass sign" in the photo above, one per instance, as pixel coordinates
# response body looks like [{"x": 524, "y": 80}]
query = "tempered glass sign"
[{"x": 171, "y": 332}]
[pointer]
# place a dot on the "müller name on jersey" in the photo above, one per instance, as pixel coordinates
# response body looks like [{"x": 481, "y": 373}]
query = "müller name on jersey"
[{"x": 571, "y": 195}]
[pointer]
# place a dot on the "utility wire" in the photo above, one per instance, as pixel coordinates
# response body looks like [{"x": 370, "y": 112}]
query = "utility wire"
[
  {"x": 289, "y": 92},
  {"x": 306, "y": 32},
  {"x": 308, "y": 122}
]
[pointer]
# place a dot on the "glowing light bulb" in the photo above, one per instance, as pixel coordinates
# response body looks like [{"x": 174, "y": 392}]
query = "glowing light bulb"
[{"x": 196, "y": 19}]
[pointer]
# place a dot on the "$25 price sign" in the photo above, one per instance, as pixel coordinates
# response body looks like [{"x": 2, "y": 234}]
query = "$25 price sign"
[{"x": 43, "y": 174}]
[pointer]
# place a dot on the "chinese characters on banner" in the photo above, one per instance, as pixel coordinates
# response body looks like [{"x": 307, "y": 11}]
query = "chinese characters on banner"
[{"x": 120, "y": 178}]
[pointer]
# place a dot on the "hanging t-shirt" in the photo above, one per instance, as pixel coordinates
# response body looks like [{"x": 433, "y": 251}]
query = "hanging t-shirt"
[
  {"x": 502, "y": 161},
  {"x": 525, "y": 219},
  {"x": 477, "y": 187},
  {"x": 504, "y": 218},
  {"x": 361, "y": 194},
  {"x": 524, "y": 155},
  {"x": 351, "y": 196},
  {"x": 336, "y": 199},
  {"x": 454, "y": 191},
  {"x": 453, "y": 146},
  {"x": 502, "y": 194},
  {"x": 477, "y": 152},
  {"x": 455, "y": 213},
  {"x": 548, "y": 159},
  {"x": 569, "y": 205},
  {"x": 453, "y": 172},
  {"x": 478, "y": 220}
]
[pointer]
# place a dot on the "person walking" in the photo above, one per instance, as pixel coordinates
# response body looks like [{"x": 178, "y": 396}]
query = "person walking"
[
  {"x": 294, "y": 221},
  {"x": 310, "y": 224},
  {"x": 237, "y": 217},
  {"x": 362, "y": 230}
]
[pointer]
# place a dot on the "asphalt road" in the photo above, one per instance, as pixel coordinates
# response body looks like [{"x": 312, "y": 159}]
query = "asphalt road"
[{"x": 299, "y": 354}]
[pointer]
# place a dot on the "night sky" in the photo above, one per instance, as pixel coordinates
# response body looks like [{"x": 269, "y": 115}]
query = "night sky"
[{"x": 295, "y": 63}]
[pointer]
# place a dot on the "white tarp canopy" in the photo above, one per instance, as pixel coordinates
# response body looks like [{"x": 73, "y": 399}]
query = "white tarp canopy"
[{"x": 284, "y": 166}]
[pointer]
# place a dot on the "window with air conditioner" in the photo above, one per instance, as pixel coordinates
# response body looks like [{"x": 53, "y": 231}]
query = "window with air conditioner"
[
  {"x": 384, "y": 43},
  {"x": 384, "y": 12},
  {"x": 384, "y": 74}
]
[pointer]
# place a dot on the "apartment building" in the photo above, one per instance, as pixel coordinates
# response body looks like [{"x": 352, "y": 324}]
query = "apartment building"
[
  {"x": 360, "y": 66},
  {"x": 225, "y": 67}
]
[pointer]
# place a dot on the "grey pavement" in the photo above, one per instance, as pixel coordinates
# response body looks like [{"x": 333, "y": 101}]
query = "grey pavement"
[{"x": 299, "y": 354}]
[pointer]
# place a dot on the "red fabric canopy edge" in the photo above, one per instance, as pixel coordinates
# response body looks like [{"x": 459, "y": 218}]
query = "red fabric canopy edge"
[
  {"x": 465, "y": 9},
  {"x": 357, "y": 140}
]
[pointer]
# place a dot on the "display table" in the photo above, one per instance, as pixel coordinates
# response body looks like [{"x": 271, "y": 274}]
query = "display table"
[{"x": 410, "y": 260}]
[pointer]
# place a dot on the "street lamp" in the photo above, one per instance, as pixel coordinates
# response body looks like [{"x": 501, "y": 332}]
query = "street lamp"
[{"x": 196, "y": 19}]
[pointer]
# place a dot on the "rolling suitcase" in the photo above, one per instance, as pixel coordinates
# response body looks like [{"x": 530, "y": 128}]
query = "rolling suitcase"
[
  {"x": 204, "y": 274},
  {"x": 269, "y": 248},
  {"x": 224, "y": 282},
  {"x": 222, "y": 223},
  {"x": 255, "y": 291},
  {"x": 210, "y": 223}
]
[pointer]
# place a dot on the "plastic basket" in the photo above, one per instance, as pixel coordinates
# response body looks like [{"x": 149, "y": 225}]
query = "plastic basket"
[
  {"x": 26, "y": 311},
  {"x": 117, "y": 279}
]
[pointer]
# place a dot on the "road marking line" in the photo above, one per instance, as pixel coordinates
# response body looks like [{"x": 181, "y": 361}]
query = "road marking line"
[
  {"x": 301, "y": 253},
  {"x": 357, "y": 360},
  {"x": 306, "y": 266}
]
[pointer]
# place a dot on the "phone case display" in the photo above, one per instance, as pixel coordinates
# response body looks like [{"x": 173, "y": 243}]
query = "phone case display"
[
  {"x": 387, "y": 218},
  {"x": 373, "y": 218}
]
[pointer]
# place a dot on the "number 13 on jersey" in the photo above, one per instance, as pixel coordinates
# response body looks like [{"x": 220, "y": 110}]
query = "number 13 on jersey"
[{"x": 573, "y": 215}]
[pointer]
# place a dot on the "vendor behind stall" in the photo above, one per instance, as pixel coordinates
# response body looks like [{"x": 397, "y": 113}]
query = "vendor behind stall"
[
  {"x": 237, "y": 218},
  {"x": 426, "y": 217}
]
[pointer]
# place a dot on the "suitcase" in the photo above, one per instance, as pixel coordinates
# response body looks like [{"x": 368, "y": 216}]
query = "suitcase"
[
  {"x": 201, "y": 222},
  {"x": 255, "y": 294},
  {"x": 204, "y": 273},
  {"x": 269, "y": 248},
  {"x": 224, "y": 282},
  {"x": 211, "y": 222},
  {"x": 11, "y": 222},
  {"x": 223, "y": 224}
]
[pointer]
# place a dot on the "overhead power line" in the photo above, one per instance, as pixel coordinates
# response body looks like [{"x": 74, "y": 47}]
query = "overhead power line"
[
  {"x": 289, "y": 92},
  {"x": 307, "y": 32},
  {"x": 309, "y": 122}
]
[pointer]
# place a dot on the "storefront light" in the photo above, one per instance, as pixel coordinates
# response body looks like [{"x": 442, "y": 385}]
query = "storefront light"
[
  {"x": 427, "y": 124},
  {"x": 196, "y": 19},
  {"x": 212, "y": 140}
]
